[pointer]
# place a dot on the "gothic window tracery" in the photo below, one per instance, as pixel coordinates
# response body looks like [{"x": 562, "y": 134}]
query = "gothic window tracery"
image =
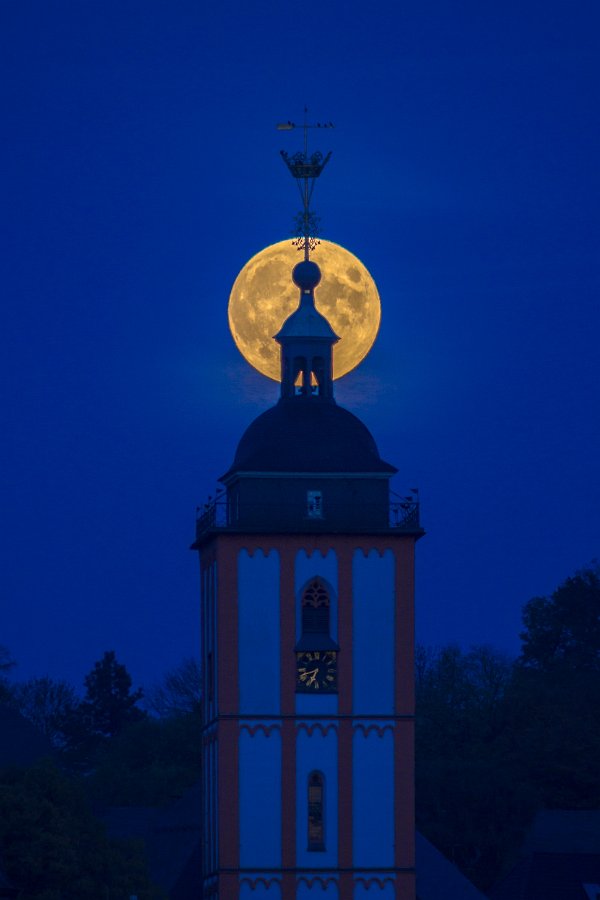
[{"x": 315, "y": 608}]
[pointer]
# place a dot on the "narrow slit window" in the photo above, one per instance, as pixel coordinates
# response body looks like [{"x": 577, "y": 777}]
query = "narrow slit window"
[{"x": 316, "y": 811}]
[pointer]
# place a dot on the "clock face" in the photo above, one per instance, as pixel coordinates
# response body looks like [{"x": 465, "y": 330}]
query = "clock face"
[{"x": 316, "y": 672}]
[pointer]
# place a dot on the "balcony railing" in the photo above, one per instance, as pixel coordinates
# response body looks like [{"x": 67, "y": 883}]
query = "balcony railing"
[
  {"x": 218, "y": 514},
  {"x": 213, "y": 514}
]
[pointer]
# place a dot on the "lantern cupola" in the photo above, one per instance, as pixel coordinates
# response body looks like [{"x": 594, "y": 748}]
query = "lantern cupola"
[{"x": 306, "y": 339}]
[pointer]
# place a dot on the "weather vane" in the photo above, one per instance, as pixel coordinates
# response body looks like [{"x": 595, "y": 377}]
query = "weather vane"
[{"x": 305, "y": 170}]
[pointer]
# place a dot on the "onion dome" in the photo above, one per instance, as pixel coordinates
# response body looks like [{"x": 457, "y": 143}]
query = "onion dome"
[{"x": 306, "y": 321}]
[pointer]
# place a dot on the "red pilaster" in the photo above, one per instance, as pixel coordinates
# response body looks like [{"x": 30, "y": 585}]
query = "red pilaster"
[
  {"x": 406, "y": 888},
  {"x": 228, "y": 704},
  {"x": 345, "y": 733},
  {"x": 228, "y": 787},
  {"x": 405, "y": 625},
  {"x": 287, "y": 613},
  {"x": 227, "y": 627},
  {"x": 404, "y": 781},
  {"x": 229, "y": 886},
  {"x": 404, "y": 772},
  {"x": 344, "y": 554}
]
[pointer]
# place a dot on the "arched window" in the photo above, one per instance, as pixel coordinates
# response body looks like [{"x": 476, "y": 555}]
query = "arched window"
[
  {"x": 316, "y": 811},
  {"x": 316, "y": 651},
  {"x": 299, "y": 368},
  {"x": 315, "y": 608},
  {"x": 318, "y": 374}
]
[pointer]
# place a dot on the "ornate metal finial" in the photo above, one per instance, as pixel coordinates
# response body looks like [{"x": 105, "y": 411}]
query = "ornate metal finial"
[{"x": 305, "y": 170}]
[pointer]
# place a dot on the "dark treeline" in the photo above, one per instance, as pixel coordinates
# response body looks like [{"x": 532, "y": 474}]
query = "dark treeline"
[
  {"x": 497, "y": 739},
  {"x": 112, "y": 747}
]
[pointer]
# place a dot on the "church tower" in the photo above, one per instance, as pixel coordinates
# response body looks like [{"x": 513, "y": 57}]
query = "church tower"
[{"x": 307, "y": 589}]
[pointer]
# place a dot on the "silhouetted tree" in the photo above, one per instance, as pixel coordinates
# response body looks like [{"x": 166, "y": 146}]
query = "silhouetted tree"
[
  {"x": 555, "y": 735},
  {"x": 471, "y": 801},
  {"x": 179, "y": 692},
  {"x": 108, "y": 707},
  {"x": 461, "y": 696},
  {"x": 150, "y": 763},
  {"x": 564, "y": 629},
  {"x": 6, "y": 664},
  {"x": 6, "y": 660},
  {"x": 498, "y": 740},
  {"x": 50, "y": 705},
  {"x": 556, "y": 693},
  {"x": 109, "y": 703},
  {"x": 52, "y": 848}
]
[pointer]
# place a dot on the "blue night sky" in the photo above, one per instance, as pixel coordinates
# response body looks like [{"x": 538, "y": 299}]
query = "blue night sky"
[{"x": 141, "y": 169}]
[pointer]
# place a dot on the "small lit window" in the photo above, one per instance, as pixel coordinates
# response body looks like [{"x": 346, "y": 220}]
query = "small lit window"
[
  {"x": 314, "y": 504},
  {"x": 316, "y": 821}
]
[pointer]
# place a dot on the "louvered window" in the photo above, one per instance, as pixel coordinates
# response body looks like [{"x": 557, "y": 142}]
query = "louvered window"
[{"x": 315, "y": 609}]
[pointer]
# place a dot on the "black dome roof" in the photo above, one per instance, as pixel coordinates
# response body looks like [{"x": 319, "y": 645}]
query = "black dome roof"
[{"x": 307, "y": 435}]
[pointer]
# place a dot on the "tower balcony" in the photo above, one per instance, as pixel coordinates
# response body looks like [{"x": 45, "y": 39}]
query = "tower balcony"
[{"x": 228, "y": 514}]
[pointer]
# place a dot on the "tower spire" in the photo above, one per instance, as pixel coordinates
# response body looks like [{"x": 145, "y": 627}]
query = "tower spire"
[{"x": 305, "y": 170}]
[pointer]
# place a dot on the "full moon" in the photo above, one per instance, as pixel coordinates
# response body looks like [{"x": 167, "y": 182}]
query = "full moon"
[{"x": 264, "y": 295}]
